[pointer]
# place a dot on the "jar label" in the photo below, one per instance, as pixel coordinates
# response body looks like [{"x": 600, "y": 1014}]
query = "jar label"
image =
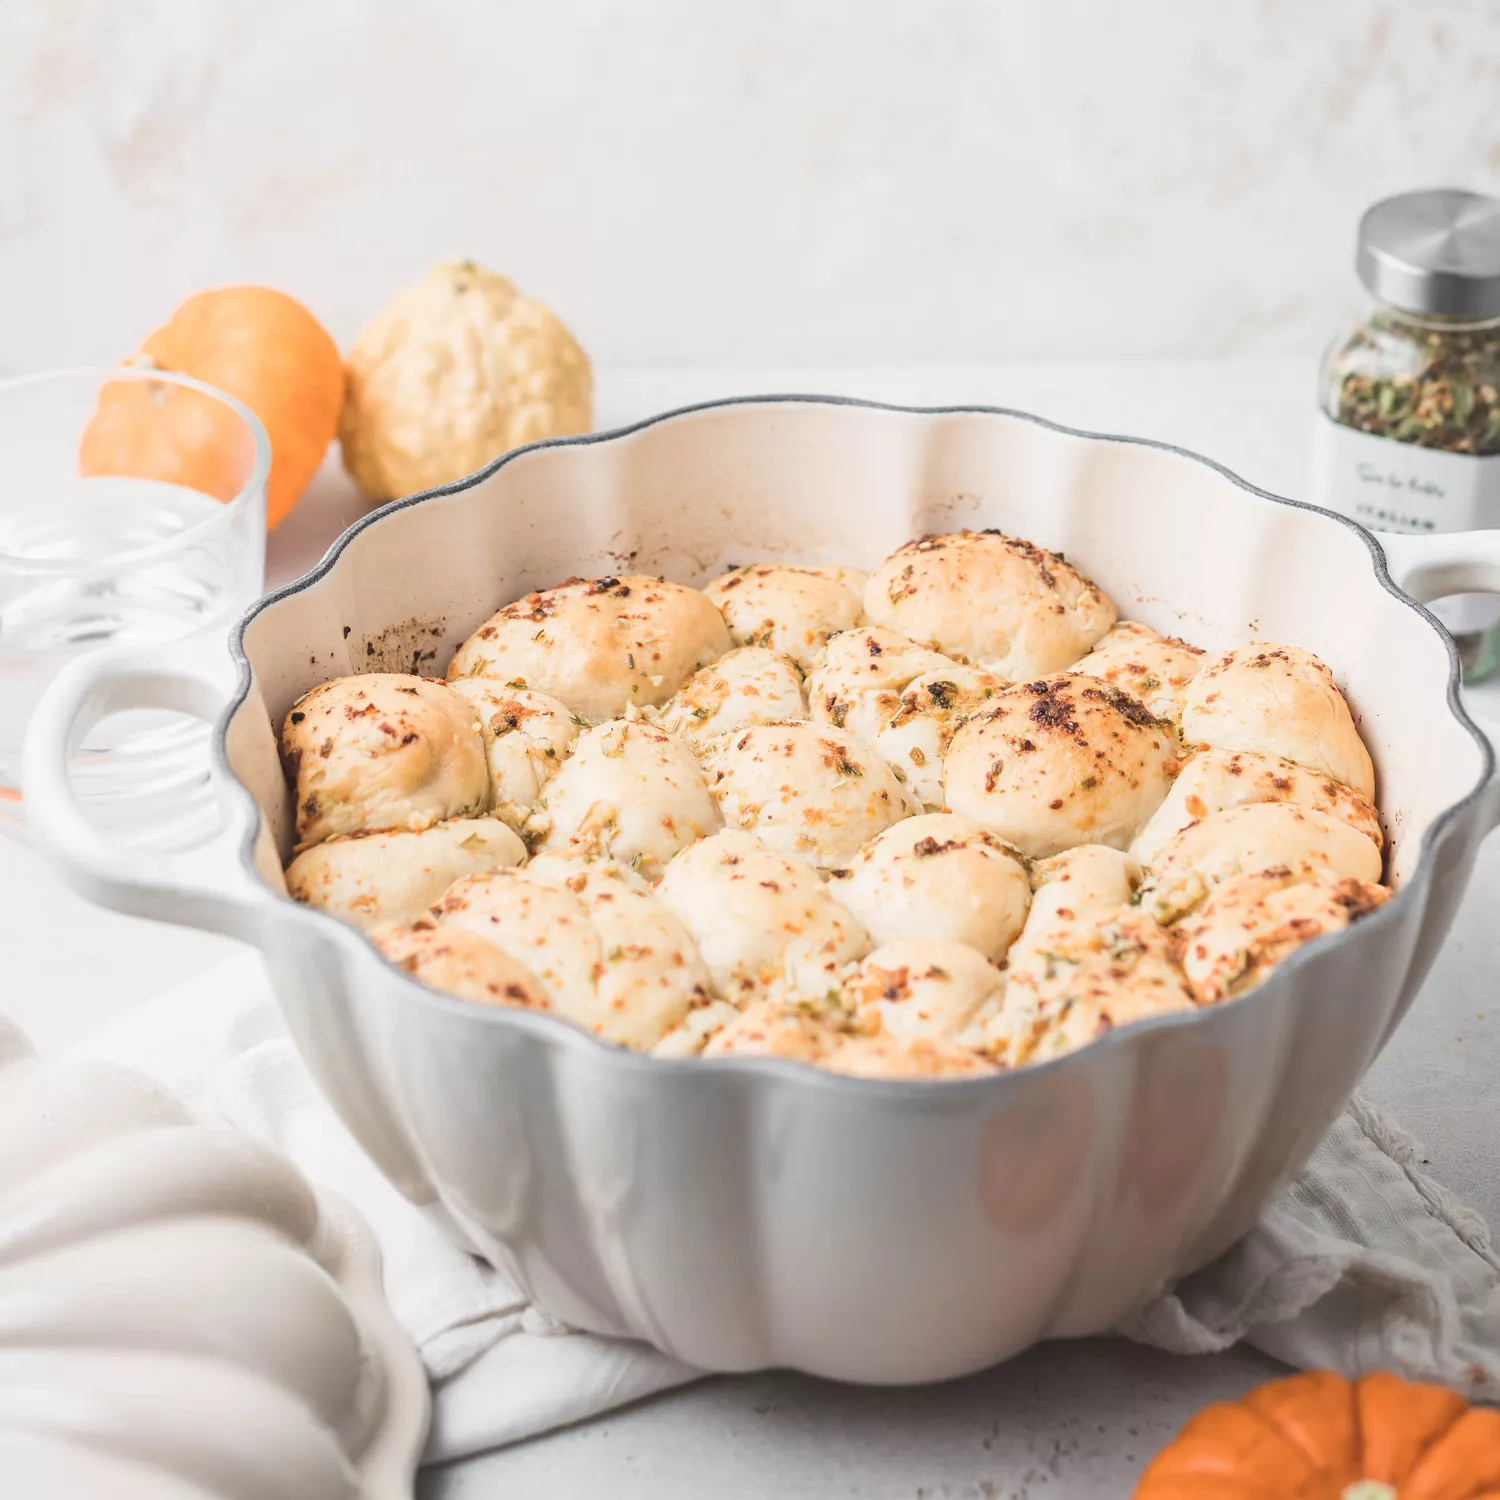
[{"x": 1391, "y": 486}]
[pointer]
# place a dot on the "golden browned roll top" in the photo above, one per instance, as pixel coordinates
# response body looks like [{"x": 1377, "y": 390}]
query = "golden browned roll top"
[
  {"x": 990, "y": 601},
  {"x": 599, "y": 645},
  {"x": 794, "y": 611},
  {"x": 809, "y": 790},
  {"x": 1061, "y": 761},
  {"x": 382, "y": 751},
  {"x": 1279, "y": 700}
]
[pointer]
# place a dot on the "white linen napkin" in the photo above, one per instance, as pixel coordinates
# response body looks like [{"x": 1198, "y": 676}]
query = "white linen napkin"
[
  {"x": 501, "y": 1369},
  {"x": 1364, "y": 1262}
]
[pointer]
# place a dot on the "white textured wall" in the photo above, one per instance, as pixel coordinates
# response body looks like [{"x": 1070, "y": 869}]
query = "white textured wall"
[{"x": 710, "y": 181}]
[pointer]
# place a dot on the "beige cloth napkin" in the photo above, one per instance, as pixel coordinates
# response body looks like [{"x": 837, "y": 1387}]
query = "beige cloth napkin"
[{"x": 1363, "y": 1262}]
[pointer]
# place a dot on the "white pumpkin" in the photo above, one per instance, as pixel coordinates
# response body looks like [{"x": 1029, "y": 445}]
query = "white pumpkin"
[
  {"x": 457, "y": 369},
  {"x": 181, "y": 1316}
]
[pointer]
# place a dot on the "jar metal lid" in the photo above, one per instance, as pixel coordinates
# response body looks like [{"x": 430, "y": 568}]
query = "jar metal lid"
[{"x": 1436, "y": 252}]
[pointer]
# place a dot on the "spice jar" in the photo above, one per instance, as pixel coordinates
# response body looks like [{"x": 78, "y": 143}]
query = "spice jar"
[{"x": 1408, "y": 437}]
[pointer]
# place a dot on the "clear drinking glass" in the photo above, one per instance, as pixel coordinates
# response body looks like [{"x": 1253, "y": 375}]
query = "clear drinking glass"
[{"x": 132, "y": 511}]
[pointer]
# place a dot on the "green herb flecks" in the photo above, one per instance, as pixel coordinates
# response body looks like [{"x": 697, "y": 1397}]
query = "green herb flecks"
[{"x": 1424, "y": 383}]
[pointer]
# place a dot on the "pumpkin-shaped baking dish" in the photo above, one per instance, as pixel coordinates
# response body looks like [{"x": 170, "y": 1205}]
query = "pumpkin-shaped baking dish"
[
  {"x": 181, "y": 1316},
  {"x": 745, "y": 1212}
]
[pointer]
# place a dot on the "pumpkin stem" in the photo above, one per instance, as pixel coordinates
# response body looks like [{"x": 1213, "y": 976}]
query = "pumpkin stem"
[{"x": 1368, "y": 1489}]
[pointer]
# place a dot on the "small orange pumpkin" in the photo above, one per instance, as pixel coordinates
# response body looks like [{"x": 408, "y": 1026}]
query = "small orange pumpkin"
[
  {"x": 253, "y": 342},
  {"x": 1321, "y": 1437}
]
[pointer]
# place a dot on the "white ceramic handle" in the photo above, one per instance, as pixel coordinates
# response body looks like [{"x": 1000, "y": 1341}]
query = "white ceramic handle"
[
  {"x": 205, "y": 886},
  {"x": 1450, "y": 562},
  {"x": 1446, "y": 562}
]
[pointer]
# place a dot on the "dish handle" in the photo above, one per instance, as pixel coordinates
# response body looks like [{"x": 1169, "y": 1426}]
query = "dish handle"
[
  {"x": 1433, "y": 566},
  {"x": 202, "y": 886}
]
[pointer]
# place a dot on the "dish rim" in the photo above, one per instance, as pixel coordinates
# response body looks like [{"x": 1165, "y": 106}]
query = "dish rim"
[{"x": 549, "y": 1029}]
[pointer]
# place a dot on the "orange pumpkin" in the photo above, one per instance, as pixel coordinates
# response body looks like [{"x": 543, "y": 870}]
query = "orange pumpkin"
[
  {"x": 1321, "y": 1437},
  {"x": 253, "y": 342}
]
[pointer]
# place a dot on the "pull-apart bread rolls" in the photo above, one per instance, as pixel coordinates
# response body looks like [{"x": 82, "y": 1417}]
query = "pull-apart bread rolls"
[
  {"x": 990, "y": 601},
  {"x": 757, "y": 915},
  {"x": 915, "y": 739},
  {"x": 859, "y": 685},
  {"x": 630, "y": 792},
  {"x": 527, "y": 736},
  {"x": 1252, "y": 922},
  {"x": 599, "y": 645},
  {"x": 749, "y": 685},
  {"x": 1214, "y": 781},
  {"x": 933, "y": 822},
  {"x": 1064, "y": 761},
  {"x": 790, "y": 610},
  {"x": 937, "y": 876},
  {"x": 1154, "y": 668},
  {"x": 809, "y": 790},
  {"x": 372, "y": 878},
  {"x": 382, "y": 751},
  {"x": 1278, "y": 700}
]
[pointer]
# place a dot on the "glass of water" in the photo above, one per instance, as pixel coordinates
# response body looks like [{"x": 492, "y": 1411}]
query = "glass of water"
[{"x": 132, "y": 512}]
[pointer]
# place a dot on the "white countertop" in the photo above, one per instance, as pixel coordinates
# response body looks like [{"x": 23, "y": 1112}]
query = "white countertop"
[{"x": 1062, "y": 1421}]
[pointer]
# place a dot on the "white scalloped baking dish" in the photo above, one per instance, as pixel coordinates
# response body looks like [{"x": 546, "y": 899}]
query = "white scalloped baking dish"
[{"x": 738, "y": 1213}]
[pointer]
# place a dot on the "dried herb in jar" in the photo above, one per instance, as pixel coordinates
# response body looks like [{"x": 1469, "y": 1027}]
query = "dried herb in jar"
[
  {"x": 1418, "y": 381},
  {"x": 1409, "y": 437}
]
